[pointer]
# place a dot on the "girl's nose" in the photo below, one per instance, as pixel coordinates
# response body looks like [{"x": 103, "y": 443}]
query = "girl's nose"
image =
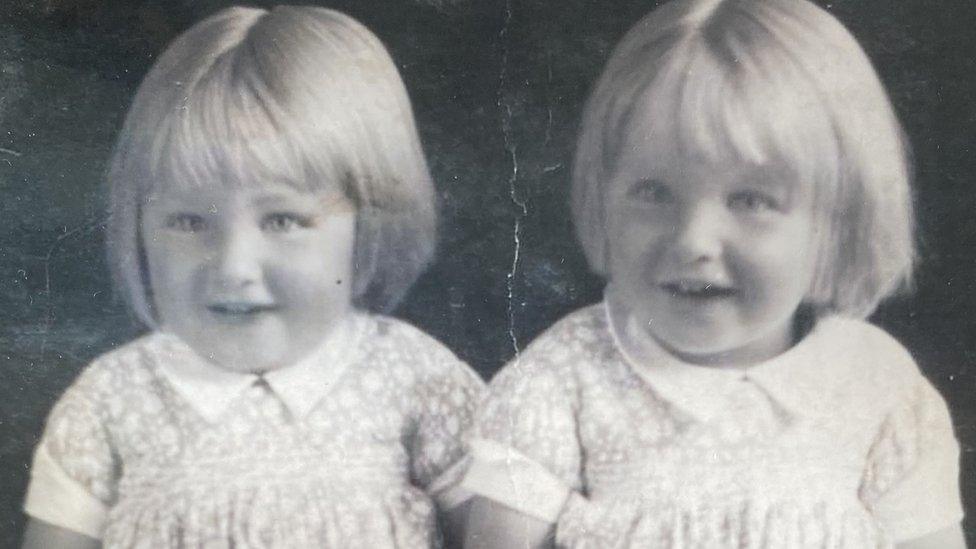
[
  {"x": 237, "y": 261},
  {"x": 698, "y": 235}
]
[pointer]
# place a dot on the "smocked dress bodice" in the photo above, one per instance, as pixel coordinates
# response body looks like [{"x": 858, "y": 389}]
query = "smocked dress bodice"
[
  {"x": 839, "y": 442},
  {"x": 354, "y": 449}
]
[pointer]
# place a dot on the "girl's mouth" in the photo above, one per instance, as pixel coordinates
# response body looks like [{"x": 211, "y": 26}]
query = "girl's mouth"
[
  {"x": 697, "y": 289},
  {"x": 238, "y": 309}
]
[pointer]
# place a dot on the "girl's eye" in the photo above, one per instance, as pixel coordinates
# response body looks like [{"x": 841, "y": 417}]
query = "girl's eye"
[
  {"x": 284, "y": 222},
  {"x": 752, "y": 201},
  {"x": 651, "y": 191},
  {"x": 186, "y": 222}
]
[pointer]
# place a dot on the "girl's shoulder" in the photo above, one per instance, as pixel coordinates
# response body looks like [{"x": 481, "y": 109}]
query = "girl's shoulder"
[
  {"x": 126, "y": 373},
  {"x": 388, "y": 335},
  {"x": 391, "y": 342},
  {"x": 576, "y": 346},
  {"x": 874, "y": 349},
  {"x": 129, "y": 365},
  {"x": 873, "y": 365},
  {"x": 584, "y": 328}
]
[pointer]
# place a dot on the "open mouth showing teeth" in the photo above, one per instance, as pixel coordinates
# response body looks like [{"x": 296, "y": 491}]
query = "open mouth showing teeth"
[
  {"x": 239, "y": 309},
  {"x": 701, "y": 290}
]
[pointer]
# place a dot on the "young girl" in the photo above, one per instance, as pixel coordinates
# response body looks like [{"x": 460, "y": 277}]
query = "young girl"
[
  {"x": 741, "y": 183},
  {"x": 268, "y": 189}
]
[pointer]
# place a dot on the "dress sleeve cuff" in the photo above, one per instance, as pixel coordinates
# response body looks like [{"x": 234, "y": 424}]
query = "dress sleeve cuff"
[
  {"x": 925, "y": 520},
  {"x": 928, "y": 499},
  {"x": 504, "y": 475},
  {"x": 913, "y": 509},
  {"x": 55, "y": 498},
  {"x": 446, "y": 489}
]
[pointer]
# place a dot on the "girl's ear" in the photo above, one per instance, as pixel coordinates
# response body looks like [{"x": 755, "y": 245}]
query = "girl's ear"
[
  {"x": 365, "y": 252},
  {"x": 823, "y": 278},
  {"x": 605, "y": 255},
  {"x": 147, "y": 309},
  {"x": 604, "y": 259}
]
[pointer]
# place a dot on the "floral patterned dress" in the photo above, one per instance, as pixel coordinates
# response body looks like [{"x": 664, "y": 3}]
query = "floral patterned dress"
[
  {"x": 154, "y": 447},
  {"x": 840, "y": 442}
]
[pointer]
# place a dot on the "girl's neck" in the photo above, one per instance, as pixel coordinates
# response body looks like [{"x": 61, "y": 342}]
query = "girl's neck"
[
  {"x": 773, "y": 345},
  {"x": 631, "y": 334}
]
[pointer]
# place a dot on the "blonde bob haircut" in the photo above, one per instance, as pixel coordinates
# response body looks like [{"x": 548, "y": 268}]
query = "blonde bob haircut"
[
  {"x": 298, "y": 96},
  {"x": 761, "y": 81}
]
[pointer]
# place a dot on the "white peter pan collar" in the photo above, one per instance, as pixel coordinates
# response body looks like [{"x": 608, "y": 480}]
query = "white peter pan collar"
[
  {"x": 211, "y": 389},
  {"x": 834, "y": 365}
]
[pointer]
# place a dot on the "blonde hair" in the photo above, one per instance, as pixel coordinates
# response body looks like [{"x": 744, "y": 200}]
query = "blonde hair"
[
  {"x": 300, "y": 96},
  {"x": 761, "y": 81}
]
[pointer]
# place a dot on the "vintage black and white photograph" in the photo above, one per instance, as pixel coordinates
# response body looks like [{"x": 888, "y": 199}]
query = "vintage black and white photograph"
[{"x": 488, "y": 274}]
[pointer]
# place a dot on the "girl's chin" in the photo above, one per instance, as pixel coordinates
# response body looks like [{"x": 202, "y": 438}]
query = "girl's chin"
[
  {"x": 700, "y": 354},
  {"x": 719, "y": 351},
  {"x": 252, "y": 360},
  {"x": 240, "y": 364}
]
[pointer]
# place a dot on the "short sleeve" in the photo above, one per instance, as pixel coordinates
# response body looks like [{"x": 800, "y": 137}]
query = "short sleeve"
[
  {"x": 449, "y": 392},
  {"x": 912, "y": 479},
  {"x": 526, "y": 453},
  {"x": 74, "y": 472}
]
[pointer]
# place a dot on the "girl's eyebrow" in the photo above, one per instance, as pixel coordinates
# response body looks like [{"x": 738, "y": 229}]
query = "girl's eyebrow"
[
  {"x": 306, "y": 200},
  {"x": 182, "y": 201},
  {"x": 769, "y": 176},
  {"x": 780, "y": 182},
  {"x": 272, "y": 200}
]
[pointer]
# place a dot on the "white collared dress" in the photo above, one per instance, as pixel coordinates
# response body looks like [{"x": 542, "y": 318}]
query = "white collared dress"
[
  {"x": 355, "y": 446},
  {"x": 838, "y": 443}
]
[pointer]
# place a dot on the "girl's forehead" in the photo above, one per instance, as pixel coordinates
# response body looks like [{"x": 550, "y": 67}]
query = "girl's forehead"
[
  {"x": 224, "y": 170},
  {"x": 676, "y": 167},
  {"x": 720, "y": 140},
  {"x": 267, "y": 194},
  {"x": 701, "y": 108},
  {"x": 664, "y": 149}
]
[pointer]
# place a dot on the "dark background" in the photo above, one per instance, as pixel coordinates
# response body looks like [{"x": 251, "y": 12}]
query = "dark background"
[{"x": 498, "y": 89}]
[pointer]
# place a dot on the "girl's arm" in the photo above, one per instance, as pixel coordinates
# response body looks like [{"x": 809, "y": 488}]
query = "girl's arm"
[
  {"x": 453, "y": 524},
  {"x": 948, "y": 538},
  {"x": 494, "y": 526},
  {"x": 41, "y": 535}
]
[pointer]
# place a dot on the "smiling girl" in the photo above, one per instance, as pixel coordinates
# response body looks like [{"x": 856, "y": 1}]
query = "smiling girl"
[
  {"x": 742, "y": 184},
  {"x": 269, "y": 197}
]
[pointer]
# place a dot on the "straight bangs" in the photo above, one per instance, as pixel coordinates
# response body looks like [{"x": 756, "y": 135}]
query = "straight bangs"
[
  {"x": 735, "y": 99},
  {"x": 778, "y": 82},
  {"x": 308, "y": 99},
  {"x": 230, "y": 131},
  {"x": 732, "y": 102},
  {"x": 297, "y": 96}
]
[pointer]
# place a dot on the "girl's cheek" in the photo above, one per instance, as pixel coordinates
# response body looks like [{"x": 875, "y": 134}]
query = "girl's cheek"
[
  {"x": 641, "y": 234},
  {"x": 182, "y": 270},
  {"x": 625, "y": 219}
]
